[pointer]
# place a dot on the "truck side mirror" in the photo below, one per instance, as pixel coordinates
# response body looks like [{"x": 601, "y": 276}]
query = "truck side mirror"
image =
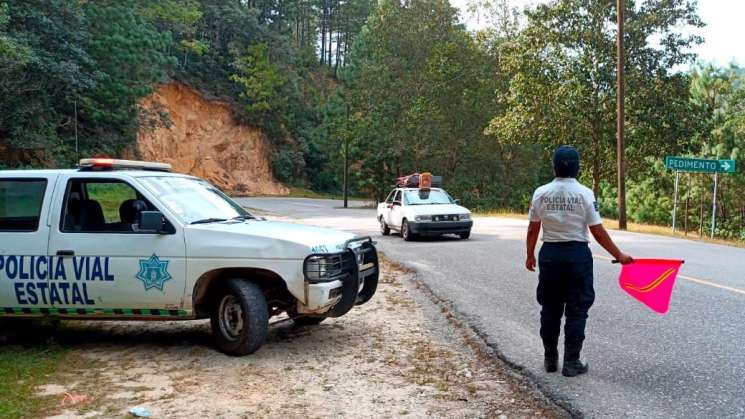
[{"x": 151, "y": 222}]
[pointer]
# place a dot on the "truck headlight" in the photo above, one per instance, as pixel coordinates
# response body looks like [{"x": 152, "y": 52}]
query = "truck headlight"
[
  {"x": 322, "y": 267},
  {"x": 423, "y": 218},
  {"x": 465, "y": 216}
]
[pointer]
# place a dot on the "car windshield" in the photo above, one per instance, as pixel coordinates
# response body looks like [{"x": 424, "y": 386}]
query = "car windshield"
[
  {"x": 194, "y": 200},
  {"x": 431, "y": 197}
]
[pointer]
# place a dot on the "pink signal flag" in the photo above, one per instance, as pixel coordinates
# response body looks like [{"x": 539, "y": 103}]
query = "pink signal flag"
[{"x": 650, "y": 281}]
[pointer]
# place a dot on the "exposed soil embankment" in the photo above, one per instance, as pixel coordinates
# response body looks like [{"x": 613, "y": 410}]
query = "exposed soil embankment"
[{"x": 205, "y": 140}]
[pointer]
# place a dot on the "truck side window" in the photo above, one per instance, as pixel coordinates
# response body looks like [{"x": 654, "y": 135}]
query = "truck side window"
[
  {"x": 102, "y": 205},
  {"x": 20, "y": 204}
]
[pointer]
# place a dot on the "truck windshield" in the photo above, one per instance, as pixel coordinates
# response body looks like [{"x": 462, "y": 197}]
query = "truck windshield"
[
  {"x": 422, "y": 197},
  {"x": 194, "y": 200}
]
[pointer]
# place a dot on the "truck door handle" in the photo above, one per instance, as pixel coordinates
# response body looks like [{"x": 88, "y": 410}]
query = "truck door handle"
[{"x": 65, "y": 253}]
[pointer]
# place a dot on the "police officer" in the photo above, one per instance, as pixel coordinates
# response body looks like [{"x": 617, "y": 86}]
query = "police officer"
[{"x": 565, "y": 208}]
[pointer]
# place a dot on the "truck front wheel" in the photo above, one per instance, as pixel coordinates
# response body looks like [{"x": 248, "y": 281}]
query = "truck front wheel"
[{"x": 240, "y": 318}]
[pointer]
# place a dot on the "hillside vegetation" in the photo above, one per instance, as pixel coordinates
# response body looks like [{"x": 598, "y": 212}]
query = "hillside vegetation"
[{"x": 403, "y": 83}]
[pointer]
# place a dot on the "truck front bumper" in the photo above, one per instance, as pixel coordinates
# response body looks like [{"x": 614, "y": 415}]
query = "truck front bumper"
[
  {"x": 356, "y": 284},
  {"x": 440, "y": 227}
]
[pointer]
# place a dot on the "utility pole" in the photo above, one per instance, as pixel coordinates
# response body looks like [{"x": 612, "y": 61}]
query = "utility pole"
[
  {"x": 346, "y": 159},
  {"x": 77, "y": 153},
  {"x": 620, "y": 120}
]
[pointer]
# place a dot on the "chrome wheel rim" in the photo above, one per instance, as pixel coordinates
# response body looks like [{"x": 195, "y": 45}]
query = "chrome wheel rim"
[
  {"x": 230, "y": 317},
  {"x": 382, "y": 226},
  {"x": 405, "y": 230}
]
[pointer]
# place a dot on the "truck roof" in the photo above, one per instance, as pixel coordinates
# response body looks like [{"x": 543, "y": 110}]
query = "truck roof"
[{"x": 103, "y": 173}]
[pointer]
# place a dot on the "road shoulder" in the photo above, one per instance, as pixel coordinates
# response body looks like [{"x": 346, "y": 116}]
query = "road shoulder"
[{"x": 399, "y": 355}]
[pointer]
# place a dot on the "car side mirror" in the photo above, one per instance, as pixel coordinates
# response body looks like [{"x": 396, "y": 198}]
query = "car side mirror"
[
  {"x": 456, "y": 201},
  {"x": 151, "y": 222}
]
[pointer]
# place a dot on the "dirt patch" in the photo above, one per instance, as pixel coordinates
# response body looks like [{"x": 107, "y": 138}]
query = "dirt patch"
[
  {"x": 205, "y": 139},
  {"x": 397, "y": 355}
]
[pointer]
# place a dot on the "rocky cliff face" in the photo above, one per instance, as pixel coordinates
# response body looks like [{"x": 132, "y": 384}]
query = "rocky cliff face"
[{"x": 205, "y": 140}]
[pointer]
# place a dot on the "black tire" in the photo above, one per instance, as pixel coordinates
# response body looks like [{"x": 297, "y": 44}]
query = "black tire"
[
  {"x": 239, "y": 318},
  {"x": 303, "y": 321},
  {"x": 465, "y": 236},
  {"x": 406, "y": 231},
  {"x": 384, "y": 229}
]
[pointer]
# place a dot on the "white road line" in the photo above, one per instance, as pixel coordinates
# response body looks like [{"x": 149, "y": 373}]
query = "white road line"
[{"x": 692, "y": 279}]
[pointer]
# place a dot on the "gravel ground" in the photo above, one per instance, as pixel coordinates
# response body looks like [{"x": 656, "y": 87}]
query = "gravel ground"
[{"x": 400, "y": 355}]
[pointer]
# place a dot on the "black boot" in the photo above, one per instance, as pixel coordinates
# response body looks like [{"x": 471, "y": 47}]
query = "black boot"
[
  {"x": 551, "y": 359},
  {"x": 572, "y": 365}
]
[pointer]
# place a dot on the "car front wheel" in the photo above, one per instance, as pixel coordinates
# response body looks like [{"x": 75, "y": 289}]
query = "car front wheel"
[
  {"x": 240, "y": 318},
  {"x": 384, "y": 229},
  {"x": 465, "y": 235}
]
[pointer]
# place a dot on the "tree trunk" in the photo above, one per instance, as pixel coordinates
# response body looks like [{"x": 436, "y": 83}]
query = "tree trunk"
[
  {"x": 323, "y": 31},
  {"x": 331, "y": 30},
  {"x": 595, "y": 161}
]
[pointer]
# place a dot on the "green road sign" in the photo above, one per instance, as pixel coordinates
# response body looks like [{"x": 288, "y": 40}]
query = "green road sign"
[
  {"x": 727, "y": 166},
  {"x": 685, "y": 164}
]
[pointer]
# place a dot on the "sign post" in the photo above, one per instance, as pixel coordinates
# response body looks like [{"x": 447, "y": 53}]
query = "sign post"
[
  {"x": 687, "y": 164},
  {"x": 675, "y": 200},
  {"x": 714, "y": 206}
]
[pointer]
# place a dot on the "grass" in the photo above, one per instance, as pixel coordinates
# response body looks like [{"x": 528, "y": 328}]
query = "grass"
[
  {"x": 668, "y": 231},
  {"x": 297, "y": 192},
  {"x": 22, "y": 369},
  {"x": 633, "y": 227}
]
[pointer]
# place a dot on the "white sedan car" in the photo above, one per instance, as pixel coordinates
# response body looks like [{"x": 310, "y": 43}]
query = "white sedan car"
[{"x": 423, "y": 212}]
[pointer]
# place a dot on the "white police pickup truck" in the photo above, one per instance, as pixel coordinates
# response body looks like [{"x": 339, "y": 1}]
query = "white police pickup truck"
[
  {"x": 119, "y": 240},
  {"x": 423, "y": 212}
]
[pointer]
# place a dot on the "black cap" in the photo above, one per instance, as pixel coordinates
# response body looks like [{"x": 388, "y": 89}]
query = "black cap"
[{"x": 566, "y": 161}]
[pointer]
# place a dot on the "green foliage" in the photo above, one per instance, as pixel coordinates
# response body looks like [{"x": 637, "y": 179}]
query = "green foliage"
[
  {"x": 261, "y": 83},
  {"x": 562, "y": 89},
  {"x": 401, "y": 85}
]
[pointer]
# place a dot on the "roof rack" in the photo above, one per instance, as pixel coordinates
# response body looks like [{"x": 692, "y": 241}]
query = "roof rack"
[{"x": 106, "y": 164}]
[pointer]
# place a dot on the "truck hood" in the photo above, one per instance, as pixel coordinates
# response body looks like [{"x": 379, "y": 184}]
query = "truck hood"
[
  {"x": 267, "y": 239},
  {"x": 440, "y": 209}
]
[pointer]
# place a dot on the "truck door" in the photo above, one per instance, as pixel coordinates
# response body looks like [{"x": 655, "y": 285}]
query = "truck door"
[
  {"x": 112, "y": 266},
  {"x": 24, "y": 235}
]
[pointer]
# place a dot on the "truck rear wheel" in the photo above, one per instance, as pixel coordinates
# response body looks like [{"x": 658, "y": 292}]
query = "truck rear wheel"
[{"x": 240, "y": 318}]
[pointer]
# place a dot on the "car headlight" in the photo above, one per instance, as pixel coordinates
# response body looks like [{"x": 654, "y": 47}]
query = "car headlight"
[
  {"x": 465, "y": 216},
  {"x": 322, "y": 267},
  {"x": 423, "y": 218}
]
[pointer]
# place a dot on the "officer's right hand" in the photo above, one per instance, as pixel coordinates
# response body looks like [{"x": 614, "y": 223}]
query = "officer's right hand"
[
  {"x": 624, "y": 259},
  {"x": 530, "y": 263}
]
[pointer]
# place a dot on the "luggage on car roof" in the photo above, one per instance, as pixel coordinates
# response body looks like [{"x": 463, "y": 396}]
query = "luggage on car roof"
[{"x": 415, "y": 180}]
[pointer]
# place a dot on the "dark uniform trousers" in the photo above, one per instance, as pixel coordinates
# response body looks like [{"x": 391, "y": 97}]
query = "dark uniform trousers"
[{"x": 565, "y": 289}]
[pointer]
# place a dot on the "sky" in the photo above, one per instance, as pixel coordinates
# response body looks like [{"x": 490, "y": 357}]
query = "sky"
[{"x": 724, "y": 35}]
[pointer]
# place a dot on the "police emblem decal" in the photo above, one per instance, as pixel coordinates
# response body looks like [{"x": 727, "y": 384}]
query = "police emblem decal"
[{"x": 153, "y": 272}]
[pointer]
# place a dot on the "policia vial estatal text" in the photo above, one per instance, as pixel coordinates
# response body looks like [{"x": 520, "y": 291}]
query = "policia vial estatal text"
[
  {"x": 566, "y": 210},
  {"x": 49, "y": 280}
]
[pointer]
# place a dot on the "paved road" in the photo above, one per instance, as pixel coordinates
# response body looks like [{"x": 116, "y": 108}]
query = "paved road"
[{"x": 689, "y": 363}]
